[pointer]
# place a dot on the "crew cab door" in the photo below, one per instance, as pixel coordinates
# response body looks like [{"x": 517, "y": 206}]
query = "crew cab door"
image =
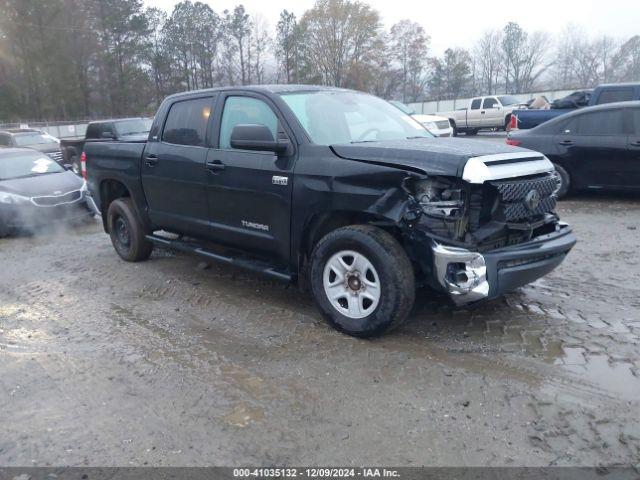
[
  {"x": 491, "y": 112},
  {"x": 474, "y": 113},
  {"x": 173, "y": 170},
  {"x": 249, "y": 192}
]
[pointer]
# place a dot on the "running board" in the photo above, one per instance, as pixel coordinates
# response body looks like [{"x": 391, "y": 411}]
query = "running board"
[{"x": 242, "y": 262}]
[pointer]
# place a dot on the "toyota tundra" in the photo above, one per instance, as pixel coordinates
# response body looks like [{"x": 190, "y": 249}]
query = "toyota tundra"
[{"x": 333, "y": 189}]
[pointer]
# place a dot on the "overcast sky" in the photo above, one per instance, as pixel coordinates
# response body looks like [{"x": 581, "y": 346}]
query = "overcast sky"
[{"x": 459, "y": 23}]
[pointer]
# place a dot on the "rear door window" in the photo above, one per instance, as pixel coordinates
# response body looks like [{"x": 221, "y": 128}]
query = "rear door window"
[
  {"x": 187, "y": 122},
  {"x": 604, "y": 122},
  {"x": 475, "y": 103},
  {"x": 615, "y": 95}
]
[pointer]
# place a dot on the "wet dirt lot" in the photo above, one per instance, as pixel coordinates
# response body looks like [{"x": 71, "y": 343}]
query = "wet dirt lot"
[{"x": 166, "y": 362}]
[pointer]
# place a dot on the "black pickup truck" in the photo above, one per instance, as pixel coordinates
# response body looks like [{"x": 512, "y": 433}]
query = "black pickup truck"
[
  {"x": 336, "y": 190},
  {"x": 116, "y": 130}
]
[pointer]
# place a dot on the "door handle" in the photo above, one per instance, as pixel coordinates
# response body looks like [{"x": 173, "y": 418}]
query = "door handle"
[
  {"x": 151, "y": 160},
  {"x": 215, "y": 166},
  {"x": 566, "y": 143},
  {"x": 482, "y": 112}
]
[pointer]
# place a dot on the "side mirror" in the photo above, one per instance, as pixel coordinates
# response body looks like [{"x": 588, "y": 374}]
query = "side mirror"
[
  {"x": 107, "y": 135},
  {"x": 256, "y": 137}
]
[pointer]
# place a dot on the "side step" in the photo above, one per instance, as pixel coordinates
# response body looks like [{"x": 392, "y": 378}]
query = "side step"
[{"x": 238, "y": 261}]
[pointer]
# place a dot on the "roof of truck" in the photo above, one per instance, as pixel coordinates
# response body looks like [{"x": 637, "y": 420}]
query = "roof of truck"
[
  {"x": 275, "y": 88},
  {"x": 614, "y": 85},
  {"x": 14, "y": 131}
]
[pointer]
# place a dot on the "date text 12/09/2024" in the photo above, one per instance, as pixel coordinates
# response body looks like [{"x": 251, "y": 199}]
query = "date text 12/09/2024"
[{"x": 314, "y": 472}]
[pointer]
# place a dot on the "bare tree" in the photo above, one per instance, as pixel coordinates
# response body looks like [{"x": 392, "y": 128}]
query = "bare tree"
[
  {"x": 488, "y": 58},
  {"x": 410, "y": 46},
  {"x": 338, "y": 35},
  {"x": 288, "y": 46}
]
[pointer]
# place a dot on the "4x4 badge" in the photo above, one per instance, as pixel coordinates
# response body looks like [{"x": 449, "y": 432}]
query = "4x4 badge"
[{"x": 276, "y": 180}]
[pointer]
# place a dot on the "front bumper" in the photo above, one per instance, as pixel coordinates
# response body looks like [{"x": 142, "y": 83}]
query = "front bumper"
[
  {"x": 444, "y": 132},
  {"x": 469, "y": 277},
  {"x": 27, "y": 217}
]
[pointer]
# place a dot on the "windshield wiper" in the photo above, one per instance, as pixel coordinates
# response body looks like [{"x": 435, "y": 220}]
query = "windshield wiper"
[{"x": 364, "y": 141}]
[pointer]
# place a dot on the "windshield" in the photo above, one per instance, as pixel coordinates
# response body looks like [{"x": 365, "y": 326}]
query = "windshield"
[
  {"x": 133, "y": 127},
  {"x": 508, "y": 100},
  {"x": 404, "y": 108},
  {"x": 34, "y": 138},
  {"x": 27, "y": 164},
  {"x": 332, "y": 117}
]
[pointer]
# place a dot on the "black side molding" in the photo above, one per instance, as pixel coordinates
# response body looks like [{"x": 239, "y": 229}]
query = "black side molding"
[{"x": 245, "y": 262}]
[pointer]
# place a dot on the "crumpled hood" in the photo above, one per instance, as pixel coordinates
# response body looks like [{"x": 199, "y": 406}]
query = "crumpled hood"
[
  {"x": 43, "y": 185},
  {"x": 433, "y": 156}
]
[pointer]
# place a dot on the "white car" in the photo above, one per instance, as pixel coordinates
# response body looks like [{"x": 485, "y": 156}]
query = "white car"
[{"x": 437, "y": 125}]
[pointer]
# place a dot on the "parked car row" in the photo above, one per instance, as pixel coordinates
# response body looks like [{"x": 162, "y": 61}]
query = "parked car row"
[
  {"x": 40, "y": 183},
  {"x": 66, "y": 152}
]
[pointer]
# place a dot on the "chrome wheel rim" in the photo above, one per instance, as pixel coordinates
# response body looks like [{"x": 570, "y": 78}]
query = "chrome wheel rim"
[{"x": 352, "y": 284}]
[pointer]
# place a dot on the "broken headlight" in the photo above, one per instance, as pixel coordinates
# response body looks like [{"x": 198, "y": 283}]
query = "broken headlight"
[{"x": 441, "y": 197}]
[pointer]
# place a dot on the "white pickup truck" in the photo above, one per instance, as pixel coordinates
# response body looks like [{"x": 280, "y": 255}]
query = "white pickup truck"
[{"x": 483, "y": 112}]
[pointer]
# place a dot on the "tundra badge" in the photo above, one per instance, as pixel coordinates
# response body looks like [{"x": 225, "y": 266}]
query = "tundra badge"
[{"x": 276, "y": 180}]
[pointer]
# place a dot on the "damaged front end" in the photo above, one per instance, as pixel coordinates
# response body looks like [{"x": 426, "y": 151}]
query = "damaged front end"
[{"x": 459, "y": 230}]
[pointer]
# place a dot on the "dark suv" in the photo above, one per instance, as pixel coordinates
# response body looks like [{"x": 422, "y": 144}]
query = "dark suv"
[{"x": 33, "y": 139}]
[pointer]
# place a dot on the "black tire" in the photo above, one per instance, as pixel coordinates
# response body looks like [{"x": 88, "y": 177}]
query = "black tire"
[
  {"x": 565, "y": 180},
  {"x": 127, "y": 232},
  {"x": 455, "y": 130},
  {"x": 471, "y": 132},
  {"x": 395, "y": 272},
  {"x": 507, "y": 120}
]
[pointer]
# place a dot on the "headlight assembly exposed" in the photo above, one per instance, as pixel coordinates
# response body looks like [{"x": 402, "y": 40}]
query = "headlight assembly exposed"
[
  {"x": 441, "y": 197},
  {"x": 12, "y": 198}
]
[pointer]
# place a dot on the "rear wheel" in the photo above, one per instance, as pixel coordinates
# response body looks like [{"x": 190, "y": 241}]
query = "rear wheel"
[
  {"x": 362, "y": 280},
  {"x": 565, "y": 180},
  {"x": 471, "y": 132},
  {"x": 126, "y": 231}
]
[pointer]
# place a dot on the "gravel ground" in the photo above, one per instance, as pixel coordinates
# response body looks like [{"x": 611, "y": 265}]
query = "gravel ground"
[{"x": 173, "y": 362}]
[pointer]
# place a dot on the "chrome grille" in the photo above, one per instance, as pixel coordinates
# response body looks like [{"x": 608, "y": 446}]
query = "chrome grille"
[
  {"x": 513, "y": 195},
  {"x": 56, "y": 156},
  {"x": 53, "y": 200},
  {"x": 442, "y": 124}
]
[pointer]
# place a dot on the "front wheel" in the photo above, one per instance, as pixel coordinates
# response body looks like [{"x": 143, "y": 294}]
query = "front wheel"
[
  {"x": 362, "y": 280},
  {"x": 126, "y": 231},
  {"x": 565, "y": 180}
]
